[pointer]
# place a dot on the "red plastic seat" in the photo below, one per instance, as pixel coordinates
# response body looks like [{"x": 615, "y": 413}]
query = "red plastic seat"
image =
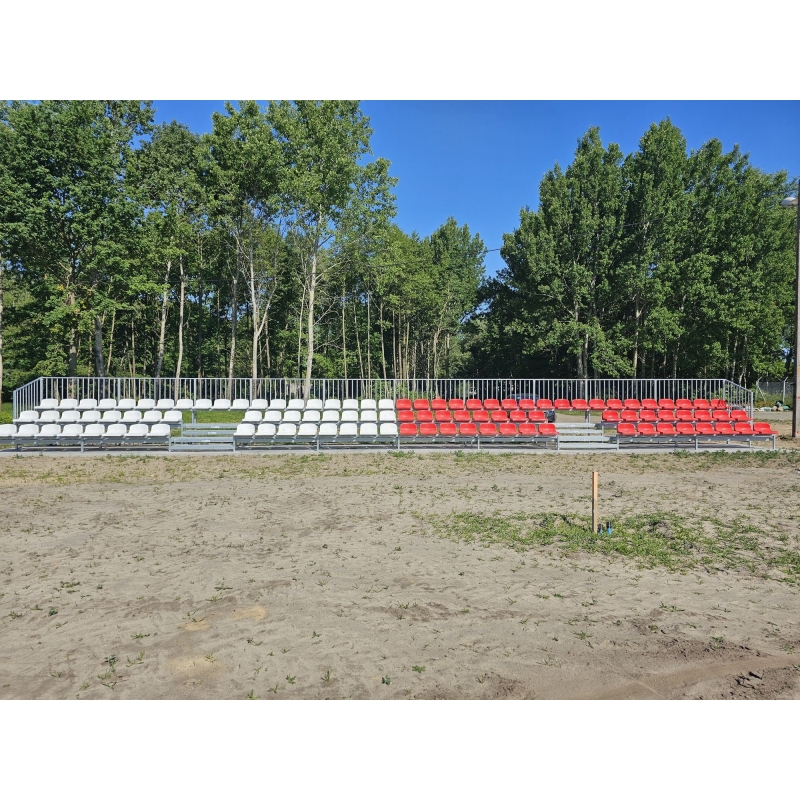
[
  {"x": 628, "y": 415},
  {"x": 718, "y": 402},
  {"x": 544, "y": 404},
  {"x": 480, "y": 416},
  {"x": 611, "y": 416},
  {"x": 527, "y": 429},
  {"x": 665, "y": 402},
  {"x": 739, "y": 415},
  {"x": 764, "y": 428},
  {"x": 427, "y": 429},
  {"x": 596, "y": 404},
  {"x": 560, "y": 404},
  {"x": 424, "y": 416},
  {"x": 685, "y": 429},
  {"x": 462, "y": 416},
  {"x": 647, "y": 415},
  {"x": 702, "y": 415},
  {"x": 666, "y": 415},
  {"x": 421, "y": 404},
  {"x": 509, "y": 405},
  {"x": 473, "y": 404},
  {"x": 701, "y": 402},
  {"x": 438, "y": 404},
  {"x": 405, "y": 416},
  {"x": 580, "y": 405},
  {"x": 487, "y": 429},
  {"x": 408, "y": 429},
  {"x": 508, "y": 429},
  {"x": 448, "y": 429},
  {"x": 724, "y": 429},
  {"x": 632, "y": 403},
  {"x": 626, "y": 429},
  {"x": 665, "y": 429},
  {"x": 491, "y": 404},
  {"x": 468, "y": 429},
  {"x": 646, "y": 429},
  {"x": 442, "y": 416},
  {"x": 650, "y": 404},
  {"x": 537, "y": 416},
  {"x": 614, "y": 404},
  {"x": 684, "y": 415},
  {"x": 526, "y": 404},
  {"x": 518, "y": 416},
  {"x": 455, "y": 404},
  {"x": 499, "y": 416},
  {"x": 721, "y": 416},
  {"x": 705, "y": 429},
  {"x": 744, "y": 429},
  {"x": 547, "y": 429},
  {"x": 402, "y": 404},
  {"x": 682, "y": 402}
]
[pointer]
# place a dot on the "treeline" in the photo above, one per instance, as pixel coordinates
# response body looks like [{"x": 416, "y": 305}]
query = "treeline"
[
  {"x": 655, "y": 264},
  {"x": 264, "y": 248},
  {"x": 267, "y": 248}
]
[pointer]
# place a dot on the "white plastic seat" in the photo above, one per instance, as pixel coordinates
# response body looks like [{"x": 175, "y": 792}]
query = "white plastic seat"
[
  {"x": 388, "y": 429},
  {"x": 87, "y": 404},
  {"x": 50, "y": 431},
  {"x": 112, "y": 416},
  {"x": 240, "y": 404},
  {"x": 369, "y": 416},
  {"x": 387, "y": 416},
  {"x": 165, "y": 404},
  {"x": 137, "y": 431},
  {"x": 260, "y": 404},
  {"x": 266, "y": 429},
  {"x": 328, "y": 429},
  {"x": 307, "y": 429},
  {"x": 386, "y": 405},
  {"x": 245, "y": 429},
  {"x": 314, "y": 405},
  {"x": 368, "y": 429},
  {"x": 291, "y": 415},
  {"x": 145, "y": 404},
  {"x": 49, "y": 416},
  {"x": 221, "y": 404},
  {"x": 297, "y": 404},
  {"x": 311, "y": 416},
  {"x": 116, "y": 431},
  {"x": 92, "y": 415},
  {"x": 153, "y": 415},
  {"x": 277, "y": 402},
  {"x": 287, "y": 429},
  {"x": 330, "y": 415},
  {"x": 27, "y": 431},
  {"x": 369, "y": 405},
  {"x": 350, "y": 403},
  {"x": 273, "y": 415},
  {"x": 203, "y": 404},
  {"x": 28, "y": 416},
  {"x": 47, "y": 402},
  {"x": 349, "y": 415},
  {"x": 94, "y": 431},
  {"x": 184, "y": 404},
  {"x": 348, "y": 429},
  {"x": 132, "y": 415},
  {"x": 72, "y": 415},
  {"x": 106, "y": 404},
  {"x": 333, "y": 404},
  {"x": 7, "y": 431},
  {"x": 67, "y": 404},
  {"x": 173, "y": 415},
  {"x": 71, "y": 431},
  {"x": 159, "y": 431},
  {"x": 126, "y": 404},
  {"x": 252, "y": 416}
]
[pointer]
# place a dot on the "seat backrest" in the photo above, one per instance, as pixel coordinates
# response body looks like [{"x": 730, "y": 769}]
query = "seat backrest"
[
  {"x": 51, "y": 429},
  {"x": 647, "y": 415},
  {"x": 266, "y": 429},
  {"x": 518, "y": 416},
  {"x": 287, "y": 429},
  {"x": 720, "y": 415},
  {"x": 702, "y": 415},
  {"x": 291, "y": 415},
  {"x": 491, "y": 404},
  {"x": 153, "y": 415},
  {"x": 527, "y": 429},
  {"x": 596, "y": 404},
  {"x": 724, "y": 428},
  {"x": 455, "y": 404},
  {"x": 632, "y": 403},
  {"x": 548, "y": 429},
  {"x": 277, "y": 402},
  {"x": 468, "y": 429},
  {"x": 311, "y": 416},
  {"x": 202, "y": 404},
  {"x": 402, "y": 404},
  {"x": 49, "y": 416},
  {"x": 448, "y": 429},
  {"x": 487, "y": 429},
  {"x": 368, "y": 429},
  {"x": 509, "y": 404},
  {"x": 537, "y": 416},
  {"x": 273, "y": 415},
  {"x": 701, "y": 402},
  {"x": 165, "y": 404},
  {"x": 73, "y": 415},
  {"x": 480, "y": 415},
  {"x": 666, "y": 415},
  {"x": 579, "y": 404},
  {"x": 739, "y": 415},
  {"x": 245, "y": 429},
  {"x": 743, "y": 428},
  {"x": 307, "y": 429},
  {"x": 438, "y": 404},
  {"x": 666, "y": 402},
  {"x": 106, "y": 404},
  {"x": 184, "y": 404},
  {"x": 314, "y": 405},
  {"x": 629, "y": 415},
  {"x": 145, "y": 404},
  {"x": 252, "y": 416},
  {"x": 369, "y": 405},
  {"x": 173, "y": 415},
  {"x": 704, "y": 428},
  {"x": 349, "y": 415},
  {"x": 499, "y": 416},
  {"x": 421, "y": 404},
  {"x": 387, "y": 415},
  {"x": 117, "y": 429},
  {"x": 764, "y": 428},
  {"x": 7, "y": 429},
  {"x": 626, "y": 429},
  {"x": 649, "y": 404},
  {"x": 28, "y": 416},
  {"x": 221, "y": 404},
  {"x": 684, "y": 415},
  {"x": 87, "y": 404},
  {"x": 95, "y": 429},
  {"x": 425, "y": 415},
  {"x": 665, "y": 429},
  {"x": 614, "y": 403},
  {"x": 370, "y": 415},
  {"x": 333, "y": 404},
  {"x": 561, "y": 404},
  {"x": 388, "y": 429},
  {"x": 48, "y": 402},
  {"x": 92, "y": 415},
  {"x": 408, "y": 429},
  {"x": 328, "y": 429},
  {"x": 67, "y": 404},
  {"x": 28, "y": 430},
  {"x": 473, "y": 404},
  {"x": 646, "y": 429},
  {"x": 330, "y": 415},
  {"x": 610, "y": 416},
  {"x": 240, "y": 404},
  {"x": 260, "y": 404},
  {"x": 160, "y": 430},
  {"x": 683, "y": 402},
  {"x": 350, "y": 404},
  {"x": 132, "y": 415},
  {"x": 296, "y": 404},
  {"x": 139, "y": 429},
  {"x": 427, "y": 429},
  {"x": 348, "y": 429},
  {"x": 112, "y": 415},
  {"x": 508, "y": 429}
]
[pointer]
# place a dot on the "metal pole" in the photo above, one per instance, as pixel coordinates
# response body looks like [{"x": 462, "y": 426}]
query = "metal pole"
[
  {"x": 595, "y": 511},
  {"x": 795, "y": 432}
]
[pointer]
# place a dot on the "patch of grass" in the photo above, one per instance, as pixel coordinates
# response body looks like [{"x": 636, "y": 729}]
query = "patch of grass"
[{"x": 418, "y": 669}]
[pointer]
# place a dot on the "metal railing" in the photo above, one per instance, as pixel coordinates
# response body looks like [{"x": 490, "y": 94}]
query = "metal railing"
[{"x": 31, "y": 394}]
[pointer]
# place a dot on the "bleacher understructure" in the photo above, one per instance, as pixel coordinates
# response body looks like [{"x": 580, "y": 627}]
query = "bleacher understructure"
[{"x": 520, "y": 420}]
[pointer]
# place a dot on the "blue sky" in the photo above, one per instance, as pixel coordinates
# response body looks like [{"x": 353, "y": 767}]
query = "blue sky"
[{"x": 481, "y": 161}]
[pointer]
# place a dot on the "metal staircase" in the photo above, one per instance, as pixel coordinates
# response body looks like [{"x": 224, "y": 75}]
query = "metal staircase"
[
  {"x": 204, "y": 436},
  {"x": 584, "y": 436}
]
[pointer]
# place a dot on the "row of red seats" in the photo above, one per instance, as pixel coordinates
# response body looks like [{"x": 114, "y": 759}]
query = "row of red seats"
[
  {"x": 472, "y": 416},
  {"x": 679, "y": 415},
  {"x": 471, "y": 429},
  {"x": 560, "y": 404},
  {"x": 700, "y": 429}
]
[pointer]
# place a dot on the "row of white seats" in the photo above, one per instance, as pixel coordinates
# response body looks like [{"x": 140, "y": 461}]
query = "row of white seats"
[
  {"x": 289, "y": 430},
  {"x": 106, "y": 417},
  {"x": 330, "y": 415},
  {"x": 186, "y": 404},
  {"x": 75, "y": 431}
]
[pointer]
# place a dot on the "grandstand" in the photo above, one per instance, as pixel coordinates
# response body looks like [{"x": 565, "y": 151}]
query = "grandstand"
[{"x": 123, "y": 413}]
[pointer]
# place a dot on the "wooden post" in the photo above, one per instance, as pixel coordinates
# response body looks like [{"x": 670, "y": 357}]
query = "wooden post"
[{"x": 595, "y": 512}]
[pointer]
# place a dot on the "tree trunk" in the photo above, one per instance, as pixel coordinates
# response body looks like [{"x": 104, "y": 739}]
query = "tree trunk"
[
  {"x": 383, "y": 343},
  {"x": 312, "y": 293},
  {"x": 234, "y": 324},
  {"x": 111, "y": 340},
  {"x": 358, "y": 342},
  {"x": 200, "y": 333},
  {"x": 368, "y": 345},
  {"x": 181, "y": 306},
  {"x": 99, "y": 366},
  {"x": 163, "y": 329},
  {"x": 344, "y": 340},
  {"x": 1, "y": 327}
]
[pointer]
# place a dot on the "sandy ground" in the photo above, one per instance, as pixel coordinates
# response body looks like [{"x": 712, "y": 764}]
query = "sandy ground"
[{"x": 343, "y": 576}]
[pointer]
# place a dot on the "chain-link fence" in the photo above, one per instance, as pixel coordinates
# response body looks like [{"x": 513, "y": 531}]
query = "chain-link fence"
[{"x": 770, "y": 391}]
